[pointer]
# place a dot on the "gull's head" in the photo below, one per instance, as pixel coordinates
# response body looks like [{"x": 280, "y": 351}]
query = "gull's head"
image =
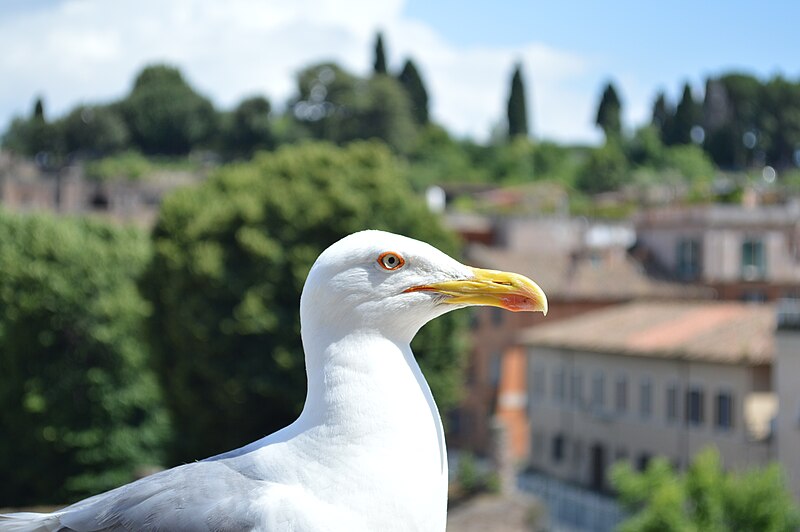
[{"x": 379, "y": 281}]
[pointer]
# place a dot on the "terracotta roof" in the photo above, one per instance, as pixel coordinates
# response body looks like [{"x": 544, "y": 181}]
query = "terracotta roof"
[
  {"x": 730, "y": 333},
  {"x": 587, "y": 276}
]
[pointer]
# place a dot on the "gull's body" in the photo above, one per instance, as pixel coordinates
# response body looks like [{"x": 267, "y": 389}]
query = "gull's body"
[{"x": 368, "y": 450}]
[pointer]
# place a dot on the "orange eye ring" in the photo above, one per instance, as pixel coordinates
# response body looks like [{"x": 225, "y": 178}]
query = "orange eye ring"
[{"x": 391, "y": 261}]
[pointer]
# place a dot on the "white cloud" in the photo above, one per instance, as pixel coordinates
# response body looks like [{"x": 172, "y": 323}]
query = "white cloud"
[{"x": 90, "y": 50}]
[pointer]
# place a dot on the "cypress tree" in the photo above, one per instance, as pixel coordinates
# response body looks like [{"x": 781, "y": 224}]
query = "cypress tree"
[
  {"x": 687, "y": 115},
  {"x": 380, "y": 55},
  {"x": 517, "y": 110},
  {"x": 608, "y": 113},
  {"x": 662, "y": 115},
  {"x": 411, "y": 81},
  {"x": 38, "y": 110}
]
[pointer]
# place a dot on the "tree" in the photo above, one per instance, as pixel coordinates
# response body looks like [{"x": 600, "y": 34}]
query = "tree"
[
  {"x": 688, "y": 114},
  {"x": 730, "y": 119},
  {"x": 249, "y": 128},
  {"x": 94, "y": 130},
  {"x": 79, "y": 406},
  {"x": 379, "y": 66},
  {"x": 38, "y": 109},
  {"x": 704, "y": 497},
  {"x": 517, "y": 112},
  {"x": 609, "y": 113},
  {"x": 337, "y": 106},
  {"x": 662, "y": 115},
  {"x": 34, "y": 136},
  {"x": 606, "y": 169},
  {"x": 411, "y": 81},
  {"x": 165, "y": 115},
  {"x": 231, "y": 257},
  {"x": 779, "y": 122}
]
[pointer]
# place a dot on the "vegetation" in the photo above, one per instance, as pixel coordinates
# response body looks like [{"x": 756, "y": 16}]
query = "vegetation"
[
  {"x": 704, "y": 498},
  {"x": 609, "y": 114},
  {"x": 79, "y": 407},
  {"x": 517, "y": 111},
  {"x": 231, "y": 257},
  {"x": 218, "y": 321},
  {"x": 411, "y": 81}
]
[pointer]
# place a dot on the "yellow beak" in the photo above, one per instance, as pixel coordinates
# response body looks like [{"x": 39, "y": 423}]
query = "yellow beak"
[{"x": 510, "y": 291}]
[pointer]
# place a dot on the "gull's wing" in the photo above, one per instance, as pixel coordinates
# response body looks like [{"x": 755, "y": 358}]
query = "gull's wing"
[{"x": 210, "y": 495}]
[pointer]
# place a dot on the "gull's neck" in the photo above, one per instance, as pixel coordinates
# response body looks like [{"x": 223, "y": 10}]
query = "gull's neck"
[{"x": 368, "y": 389}]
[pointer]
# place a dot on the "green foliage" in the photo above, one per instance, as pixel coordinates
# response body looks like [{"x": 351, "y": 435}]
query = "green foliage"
[
  {"x": 606, "y": 169},
  {"x": 411, "y": 81},
  {"x": 684, "y": 163},
  {"x": 705, "y": 498},
  {"x": 437, "y": 159},
  {"x": 337, "y": 106},
  {"x": 248, "y": 128},
  {"x": 687, "y": 115},
  {"x": 133, "y": 166},
  {"x": 662, "y": 115},
  {"x": 379, "y": 66},
  {"x": 468, "y": 476},
  {"x": 231, "y": 257},
  {"x": 93, "y": 130},
  {"x": 730, "y": 110},
  {"x": 79, "y": 407},
  {"x": 779, "y": 122},
  {"x": 165, "y": 115},
  {"x": 32, "y": 136},
  {"x": 609, "y": 113},
  {"x": 516, "y": 110},
  {"x": 473, "y": 479}
]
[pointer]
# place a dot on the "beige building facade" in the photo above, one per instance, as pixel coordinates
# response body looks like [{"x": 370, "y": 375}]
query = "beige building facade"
[{"x": 650, "y": 379}]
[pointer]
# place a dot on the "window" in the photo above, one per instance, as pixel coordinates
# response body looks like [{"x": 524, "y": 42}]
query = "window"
[
  {"x": 621, "y": 395},
  {"x": 576, "y": 388},
  {"x": 754, "y": 263},
  {"x": 558, "y": 448},
  {"x": 694, "y": 406},
  {"x": 672, "y": 403},
  {"x": 643, "y": 461},
  {"x": 688, "y": 262},
  {"x": 645, "y": 398},
  {"x": 598, "y": 391},
  {"x": 559, "y": 385},
  {"x": 723, "y": 418},
  {"x": 538, "y": 382}
]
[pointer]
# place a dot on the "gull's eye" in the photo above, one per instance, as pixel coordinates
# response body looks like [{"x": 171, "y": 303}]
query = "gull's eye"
[{"x": 390, "y": 260}]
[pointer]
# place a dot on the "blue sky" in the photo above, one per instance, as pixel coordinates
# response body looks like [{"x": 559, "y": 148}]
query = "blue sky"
[{"x": 73, "y": 51}]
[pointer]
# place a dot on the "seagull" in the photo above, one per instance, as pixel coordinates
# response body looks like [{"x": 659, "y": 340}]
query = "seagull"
[{"x": 367, "y": 452}]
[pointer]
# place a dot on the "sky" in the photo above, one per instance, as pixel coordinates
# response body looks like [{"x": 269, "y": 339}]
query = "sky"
[{"x": 89, "y": 51}]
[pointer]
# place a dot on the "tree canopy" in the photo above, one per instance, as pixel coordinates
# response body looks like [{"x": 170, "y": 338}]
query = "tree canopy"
[
  {"x": 80, "y": 409},
  {"x": 379, "y": 65},
  {"x": 517, "y": 111},
  {"x": 230, "y": 261},
  {"x": 411, "y": 81},
  {"x": 705, "y": 498},
  {"x": 164, "y": 113},
  {"x": 335, "y": 105},
  {"x": 609, "y": 113}
]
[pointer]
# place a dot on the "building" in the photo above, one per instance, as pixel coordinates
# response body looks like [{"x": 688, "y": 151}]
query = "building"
[
  {"x": 26, "y": 188},
  {"x": 650, "y": 378},
  {"x": 785, "y": 380},
  {"x": 582, "y": 267},
  {"x": 747, "y": 253}
]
